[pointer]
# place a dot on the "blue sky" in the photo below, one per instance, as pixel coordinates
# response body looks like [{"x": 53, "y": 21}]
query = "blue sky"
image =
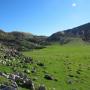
[{"x": 43, "y": 17}]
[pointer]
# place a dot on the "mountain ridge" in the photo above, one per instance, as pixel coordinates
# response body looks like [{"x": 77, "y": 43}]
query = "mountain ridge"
[
  {"x": 27, "y": 41},
  {"x": 82, "y": 31}
]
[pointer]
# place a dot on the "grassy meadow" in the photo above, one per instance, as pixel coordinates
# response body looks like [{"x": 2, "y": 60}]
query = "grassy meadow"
[{"x": 69, "y": 64}]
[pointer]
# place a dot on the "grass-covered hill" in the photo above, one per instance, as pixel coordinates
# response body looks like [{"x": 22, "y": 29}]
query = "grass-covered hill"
[
  {"x": 65, "y": 36},
  {"x": 21, "y": 40}
]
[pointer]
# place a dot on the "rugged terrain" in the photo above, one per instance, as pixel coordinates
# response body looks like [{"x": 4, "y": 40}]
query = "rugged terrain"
[
  {"x": 17, "y": 71},
  {"x": 58, "y": 62}
]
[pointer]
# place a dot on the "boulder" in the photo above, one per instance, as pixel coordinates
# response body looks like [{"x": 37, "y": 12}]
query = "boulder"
[
  {"x": 28, "y": 59},
  {"x": 29, "y": 84},
  {"x": 5, "y": 87}
]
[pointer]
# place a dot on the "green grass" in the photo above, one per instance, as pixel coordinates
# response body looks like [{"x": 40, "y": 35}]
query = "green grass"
[
  {"x": 4, "y": 68},
  {"x": 61, "y": 61}
]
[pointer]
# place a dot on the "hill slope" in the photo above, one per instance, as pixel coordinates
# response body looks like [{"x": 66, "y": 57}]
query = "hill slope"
[
  {"x": 82, "y": 32},
  {"x": 21, "y": 40},
  {"x": 27, "y": 41}
]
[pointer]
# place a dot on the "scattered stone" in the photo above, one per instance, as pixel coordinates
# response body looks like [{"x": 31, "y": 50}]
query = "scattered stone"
[
  {"x": 27, "y": 71},
  {"x": 42, "y": 87},
  {"x": 28, "y": 59},
  {"x": 40, "y": 64},
  {"x": 1, "y": 73},
  {"x": 15, "y": 60},
  {"x": 33, "y": 70},
  {"x": 14, "y": 84},
  {"x": 48, "y": 77},
  {"x": 69, "y": 81},
  {"x": 70, "y": 75},
  {"x": 29, "y": 84},
  {"x": 5, "y": 87}
]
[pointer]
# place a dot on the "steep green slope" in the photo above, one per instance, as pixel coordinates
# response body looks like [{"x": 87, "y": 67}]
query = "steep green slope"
[{"x": 69, "y": 64}]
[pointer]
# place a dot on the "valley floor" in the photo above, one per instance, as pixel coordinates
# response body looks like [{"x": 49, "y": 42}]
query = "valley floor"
[{"x": 68, "y": 64}]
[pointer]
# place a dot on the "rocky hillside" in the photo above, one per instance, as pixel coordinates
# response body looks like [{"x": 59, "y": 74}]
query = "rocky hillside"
[
  {"x": 18, "y": 72},
  {"x": 65, "y": 36},
  {"x": 21, "y": 40}
]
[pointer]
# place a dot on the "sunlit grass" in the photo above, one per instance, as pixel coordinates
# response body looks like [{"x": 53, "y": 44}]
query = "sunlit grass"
[{"x": 62, "y": 61}]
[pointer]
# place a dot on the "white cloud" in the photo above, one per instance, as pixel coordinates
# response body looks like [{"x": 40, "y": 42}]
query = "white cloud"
[{"x": 74, "y": 4}]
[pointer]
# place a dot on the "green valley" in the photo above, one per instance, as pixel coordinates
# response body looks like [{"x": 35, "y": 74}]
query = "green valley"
[{"x": 69, "y": 64}]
